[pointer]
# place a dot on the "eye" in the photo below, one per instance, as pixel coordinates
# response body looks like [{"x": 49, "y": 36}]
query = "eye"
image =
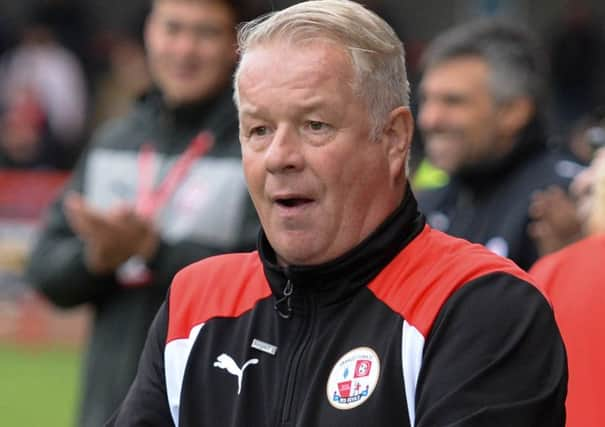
[
  {"x": 172, "y": 28},
  {"x": 454, "y": 99},
  {"x": 316, "y": 126},
  {"x": 207, "y": 31},
  {"x": 259, "y": 131}
]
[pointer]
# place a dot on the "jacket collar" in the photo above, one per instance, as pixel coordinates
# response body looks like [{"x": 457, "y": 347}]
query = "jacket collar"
[
  {"x": 187, "y": 115},
  {"x": 336, "y": 279}
]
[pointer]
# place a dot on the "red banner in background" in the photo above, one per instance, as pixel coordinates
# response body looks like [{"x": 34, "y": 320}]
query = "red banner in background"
[
  {"x": 24, "y": 195},
  {"x": 25, "y": 317}
]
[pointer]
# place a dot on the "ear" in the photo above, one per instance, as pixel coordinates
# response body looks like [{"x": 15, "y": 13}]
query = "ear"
[
  {"x": 397, "y": 136},
  {"x": 515, "y": 114}
]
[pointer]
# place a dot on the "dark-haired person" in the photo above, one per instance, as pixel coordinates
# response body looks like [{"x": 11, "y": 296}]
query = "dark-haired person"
[
  {"x": 158, "y": 189},
  {"x": 483, "y": 102}
]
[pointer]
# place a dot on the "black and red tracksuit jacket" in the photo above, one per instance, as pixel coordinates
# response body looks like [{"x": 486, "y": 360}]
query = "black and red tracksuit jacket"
[{"x": 410, "y": 328}]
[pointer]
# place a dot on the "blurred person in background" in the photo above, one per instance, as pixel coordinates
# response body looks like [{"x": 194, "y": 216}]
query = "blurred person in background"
[
  {"x": 573, "y": 280},
  {"x": 559, "y": 217},
  {"x": 122, "y": 74},
  {"x": 43, "y": 99},
  {"x": 482, "y": 117},
  {"x": 157, "y": 189},
  {"x": 124, "y": 79},
  {"x": 577, "y": 55}
]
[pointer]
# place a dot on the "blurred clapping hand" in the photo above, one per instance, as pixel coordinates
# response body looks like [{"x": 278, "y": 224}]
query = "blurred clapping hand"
[
  {"x": 111, "y": 237},
  {"x": 554, "y": 220},
  {"x": 560, "y": 218}
]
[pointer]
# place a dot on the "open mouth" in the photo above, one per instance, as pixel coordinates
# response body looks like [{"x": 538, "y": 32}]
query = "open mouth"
[{"x": 293, "y": 202}]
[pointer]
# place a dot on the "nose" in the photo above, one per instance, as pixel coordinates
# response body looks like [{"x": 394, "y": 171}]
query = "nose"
[
  {"x": 185, "y": 44},
  {"x": 285, "y": 152}
]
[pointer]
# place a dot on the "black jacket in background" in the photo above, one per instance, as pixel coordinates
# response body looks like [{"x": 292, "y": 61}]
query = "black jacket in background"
[
  {"x": 489, "y": 203},
  {"x": 208, "y": 213}
]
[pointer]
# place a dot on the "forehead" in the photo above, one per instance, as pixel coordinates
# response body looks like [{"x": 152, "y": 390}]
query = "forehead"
[
  {"x": 458, "y": 74},
  {"x": 304, "y": 67},
  {"x": 218, "y": 12}
]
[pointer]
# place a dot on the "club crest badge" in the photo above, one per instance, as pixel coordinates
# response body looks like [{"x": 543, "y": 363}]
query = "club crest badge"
[{"x": 353, "y": 378}]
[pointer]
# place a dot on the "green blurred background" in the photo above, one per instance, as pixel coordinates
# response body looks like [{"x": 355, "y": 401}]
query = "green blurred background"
[{"x": 39, "y": 386}]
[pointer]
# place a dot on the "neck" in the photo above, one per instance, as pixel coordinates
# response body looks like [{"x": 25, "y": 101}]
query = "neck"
[{"x": 529, "y": 140}]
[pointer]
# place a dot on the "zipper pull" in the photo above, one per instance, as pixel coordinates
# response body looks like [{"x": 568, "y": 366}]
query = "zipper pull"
[{"x": 288, "y": 290}]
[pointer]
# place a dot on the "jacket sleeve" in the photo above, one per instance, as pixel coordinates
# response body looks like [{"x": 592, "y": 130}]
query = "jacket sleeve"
[
  {"x": 494, "y": 357},
  {"x": 146, "y": 403},
  {"x": 56, "y": 263}
]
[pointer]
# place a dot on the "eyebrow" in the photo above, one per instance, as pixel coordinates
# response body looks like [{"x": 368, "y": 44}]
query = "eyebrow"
[{"x": 249, "y": 109}]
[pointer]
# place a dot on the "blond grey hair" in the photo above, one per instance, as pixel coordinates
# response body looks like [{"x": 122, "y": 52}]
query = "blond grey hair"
[{"x": 377, "y": 55}]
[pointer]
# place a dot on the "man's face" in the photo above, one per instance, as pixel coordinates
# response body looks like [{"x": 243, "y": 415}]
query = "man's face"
[
  {"x": 319, "y": 183},
  {"x": 191, "y": 48},
  {"x": 457, "y": 116}
]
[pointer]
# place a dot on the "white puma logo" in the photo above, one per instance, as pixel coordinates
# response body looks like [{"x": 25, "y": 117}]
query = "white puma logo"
[{"x": 225, "y": 361}]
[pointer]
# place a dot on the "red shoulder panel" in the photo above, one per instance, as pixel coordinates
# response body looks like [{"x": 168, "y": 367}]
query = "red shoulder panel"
[
  {"x": 221, "y": 286},
  {"x": 432, "y": 267}
]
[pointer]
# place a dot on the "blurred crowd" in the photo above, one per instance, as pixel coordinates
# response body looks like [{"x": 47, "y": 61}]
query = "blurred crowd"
[
  {"x": 60, "y": 78},
  {"x": 58, "y": 81}
]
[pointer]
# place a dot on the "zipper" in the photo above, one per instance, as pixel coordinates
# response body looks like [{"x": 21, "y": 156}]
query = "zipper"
[
  {"x": 296, "y": 362},
  {"x": 286, "y": 298}
]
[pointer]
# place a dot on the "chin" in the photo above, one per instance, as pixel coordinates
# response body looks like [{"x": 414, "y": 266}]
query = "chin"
[
  {"x": 185, "y": 93},
  {"x": 298, "y": 256},
  {"x": 182, "y": 98}
]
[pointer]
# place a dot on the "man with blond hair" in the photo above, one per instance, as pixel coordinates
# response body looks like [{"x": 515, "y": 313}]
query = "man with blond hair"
[{"x": 353, "y": 312}]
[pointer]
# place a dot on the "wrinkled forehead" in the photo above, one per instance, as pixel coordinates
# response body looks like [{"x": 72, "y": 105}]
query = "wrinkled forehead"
[
  {"x": 302, "y": 79},
  {"x": 280, "y": 48},
  {"x": 295, "y": 41},
  {"x": 315, "y": 56},
  {"x": 278, "y": 58}
]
